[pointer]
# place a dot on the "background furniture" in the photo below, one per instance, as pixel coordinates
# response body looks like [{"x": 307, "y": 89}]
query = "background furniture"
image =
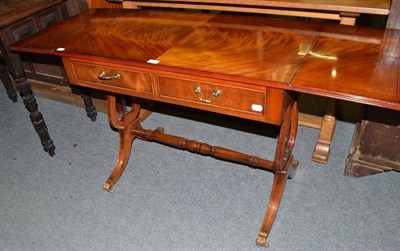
[
  {"x": 23, "y": 18},
  {"x": 20, "y": 19},
  {"x": 376, "y": 141}
]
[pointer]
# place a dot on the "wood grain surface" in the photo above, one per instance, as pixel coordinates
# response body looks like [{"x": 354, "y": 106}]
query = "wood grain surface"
[{"x": 352, "y": 63}]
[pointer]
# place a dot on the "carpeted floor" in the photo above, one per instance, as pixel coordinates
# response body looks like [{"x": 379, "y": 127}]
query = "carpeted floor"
[{"x": 174, "y": 200}]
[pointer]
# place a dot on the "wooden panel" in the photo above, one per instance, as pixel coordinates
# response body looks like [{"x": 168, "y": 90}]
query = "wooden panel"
[
  {"x": 76, "y": 6},
  {"x": 375, "y": 147},
  {"x": 362, "y": 72},
  {"x": 14, "y": 10},
  {"x": 47, "y": 18},
  {"x": 132, "y": 80},
  {"x": 20, "y": 30}
]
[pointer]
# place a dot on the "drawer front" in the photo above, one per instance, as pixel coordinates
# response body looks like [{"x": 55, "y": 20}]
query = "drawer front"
[
  {"x": 20, "y": 30},
  {"x": 48, "y": 18},
  {"x": 228, "y": 97},
  {"x": 120, "y": 78}
]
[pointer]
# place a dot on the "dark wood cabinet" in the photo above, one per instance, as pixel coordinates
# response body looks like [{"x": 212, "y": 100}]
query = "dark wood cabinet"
[
  {"x": 21, "y": 19},
  {"x": 26, "y": 18}
]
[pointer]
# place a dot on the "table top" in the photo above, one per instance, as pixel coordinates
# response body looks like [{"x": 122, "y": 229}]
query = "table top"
[
  {"x": 14, "y": 10},
  {"x": 352, "y": 63}
]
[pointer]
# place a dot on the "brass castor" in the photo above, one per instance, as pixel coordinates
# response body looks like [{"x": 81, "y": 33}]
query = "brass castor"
[
  {"x": 262, "y": 240},
  {"x": 107, "y": 186}
]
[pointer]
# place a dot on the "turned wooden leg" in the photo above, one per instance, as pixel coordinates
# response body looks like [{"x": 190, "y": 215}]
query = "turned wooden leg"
[
  {"x": 323, "y": 146},
  {"x": 284, "y": 166},
  {"x": 89, "y": 107},
  {"x": 123, "y": 121},
  {"x": 6, "y": 79},
  {"x": 36, "y": 117}
]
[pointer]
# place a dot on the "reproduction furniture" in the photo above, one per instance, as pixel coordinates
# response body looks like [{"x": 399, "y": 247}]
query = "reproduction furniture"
[
  {"x": 18, "y": 20},
  {"x": 345, "y": 12},
  {"x": 211, "y": 61}
]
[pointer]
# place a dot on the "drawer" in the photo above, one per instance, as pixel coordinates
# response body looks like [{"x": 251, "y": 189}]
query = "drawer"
[
  {"x": 48, "y": 18},
  {"x": 117, "y": 77},
  {"x": 228, "y": 97},
  {"x": 20, "y": 30}
]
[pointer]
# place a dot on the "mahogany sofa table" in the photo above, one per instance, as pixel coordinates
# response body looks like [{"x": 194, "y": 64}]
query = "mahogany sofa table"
[{"x": 244, "y": 66}]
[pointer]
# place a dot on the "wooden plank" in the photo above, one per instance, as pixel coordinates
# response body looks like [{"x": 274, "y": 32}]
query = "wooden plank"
[
  {"x": 93, "y": 4},
  {"x": 309, "y": 120},
  {"x": 394, "y": 15},
  {"x": 377, "y": 7},
  {"x": 309, "y": 14}
]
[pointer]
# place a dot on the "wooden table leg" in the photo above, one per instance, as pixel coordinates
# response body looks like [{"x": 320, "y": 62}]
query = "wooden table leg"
[
  {"x": 284, "y": 167},
  {"x": 90, "y": 109},
  {"x": 36, "y": 117},
  {"x": 323, "y": 146},
  {"x": 124, "y": 121},
  {"x": 6, "y": 79},
  {"x": 128, "y": 124}
]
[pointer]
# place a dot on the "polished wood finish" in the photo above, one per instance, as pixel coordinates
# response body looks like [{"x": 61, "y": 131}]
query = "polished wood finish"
[
  {"x": 351, "y": 63},
  {"x": 242, "y": 66},
  {"x": 344, "y": 11},
  {"x": 350, "y": 70}
]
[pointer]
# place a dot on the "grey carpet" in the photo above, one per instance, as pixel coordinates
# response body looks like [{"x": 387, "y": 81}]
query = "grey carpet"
[{"x": 169, "y": 199}]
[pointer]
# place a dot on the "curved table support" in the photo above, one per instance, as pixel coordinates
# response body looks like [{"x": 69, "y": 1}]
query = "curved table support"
[
  {"x": 283, "y": 166},
  {"x": 124, "y": 121}
]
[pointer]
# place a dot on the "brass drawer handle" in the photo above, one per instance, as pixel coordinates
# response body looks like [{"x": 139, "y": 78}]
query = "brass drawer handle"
[
  {"x": 215, "y": 93},
  {"x": 103, "y": 76}
]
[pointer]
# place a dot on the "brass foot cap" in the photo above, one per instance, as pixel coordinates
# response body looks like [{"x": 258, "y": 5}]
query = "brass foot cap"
[
  {"x": 107, "y": 186},
  {"x": 262, "y": 240}
]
